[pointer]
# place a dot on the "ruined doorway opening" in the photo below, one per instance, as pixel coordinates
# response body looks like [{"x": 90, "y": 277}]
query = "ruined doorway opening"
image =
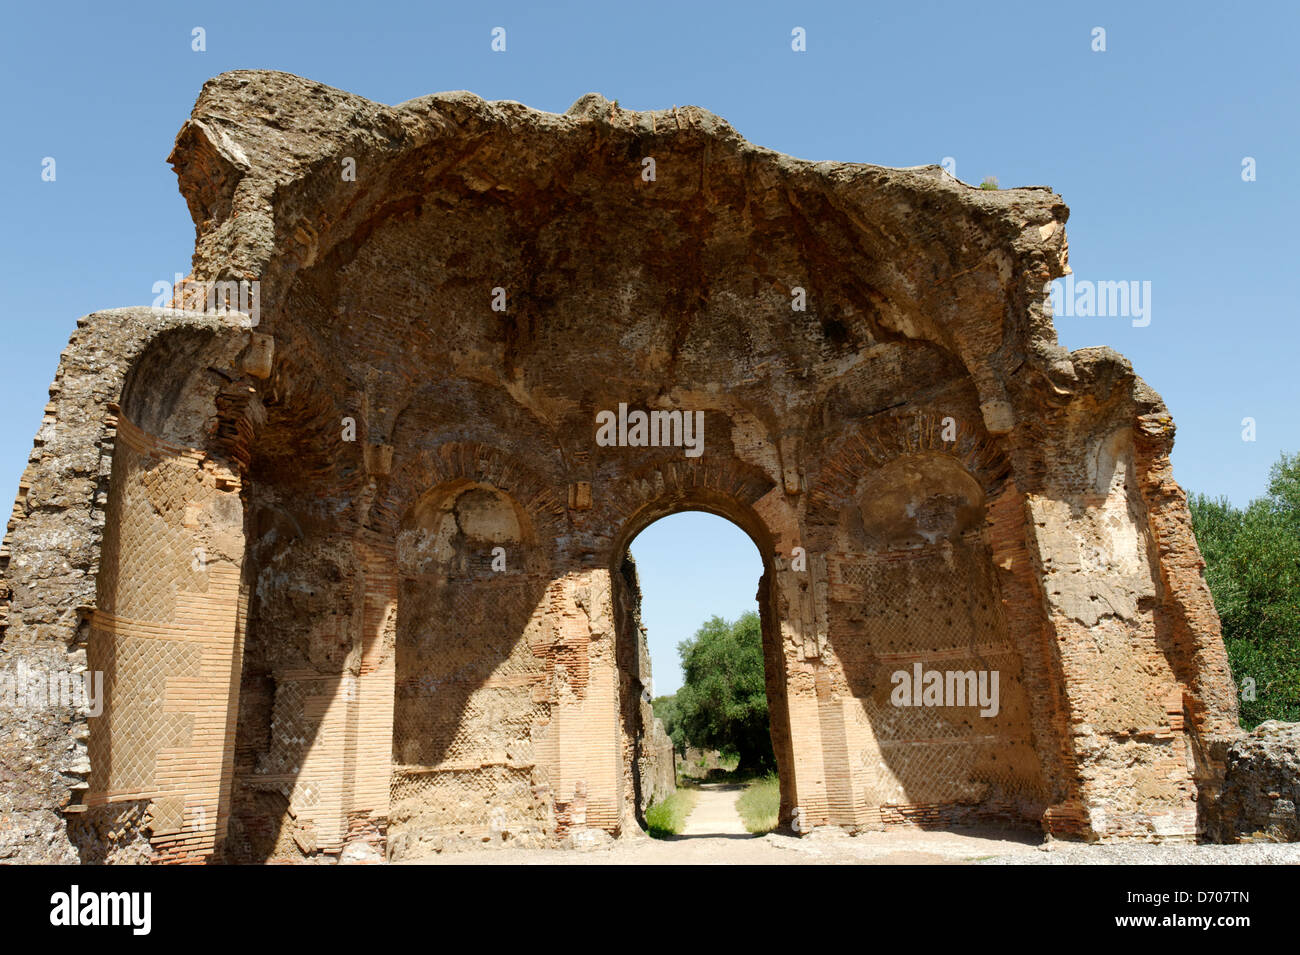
[{"x": 689, "y": 573}]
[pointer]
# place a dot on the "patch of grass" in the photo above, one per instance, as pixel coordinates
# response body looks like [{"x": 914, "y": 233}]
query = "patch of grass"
[
  {"x": 760, "y": 804},
  {"x": 666, "y": 818},
  {"x": 990, "y": 183}
]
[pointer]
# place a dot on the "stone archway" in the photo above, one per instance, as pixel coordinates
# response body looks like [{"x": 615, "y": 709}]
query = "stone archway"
[
  {"x": 875, "y": 393},
  {"x": 634, "y": 710},
  {"x": 165, "y": 633}
]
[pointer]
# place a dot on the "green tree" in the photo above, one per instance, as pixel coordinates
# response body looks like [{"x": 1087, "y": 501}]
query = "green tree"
[
  {"x": 723, "y": 701},
  {"x": 1252, "y": 566},
  {"x": 666, "y": 709}
]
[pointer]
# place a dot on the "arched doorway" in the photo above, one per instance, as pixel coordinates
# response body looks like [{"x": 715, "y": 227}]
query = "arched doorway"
[{"x": 636, "y": 713}]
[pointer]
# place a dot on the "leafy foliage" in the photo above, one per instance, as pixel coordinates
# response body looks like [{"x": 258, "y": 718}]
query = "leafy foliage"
[
  {"x": 666, "y": 709},
  {"x": 723, "y": 702},
  {"x": 1252, "y": 565}
]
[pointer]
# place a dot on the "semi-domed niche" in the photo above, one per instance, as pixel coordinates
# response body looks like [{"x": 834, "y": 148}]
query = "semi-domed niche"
[
  {"x": 914, "y": 501},
  {"x": 466, "y": 717},
  {"x": 917, "y": 602},
  {"x": 462, "y": 531}
]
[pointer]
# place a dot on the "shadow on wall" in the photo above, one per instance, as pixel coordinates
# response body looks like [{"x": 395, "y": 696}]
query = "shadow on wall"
[
  {"x": 471, "y": 694},
  {"x": 469, "y": 697},
  {"x": 942, "y": 723}
]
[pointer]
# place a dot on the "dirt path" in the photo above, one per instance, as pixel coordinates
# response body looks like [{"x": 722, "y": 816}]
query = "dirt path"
[
  {"x": 715, "y": 812},
  {"x": 740, "y": 848},
  {"x": 961, "y": 846},
  {"x": 714, "y": 835}
]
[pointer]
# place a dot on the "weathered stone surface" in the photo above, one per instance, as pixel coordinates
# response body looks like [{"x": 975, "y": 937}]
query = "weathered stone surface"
[
  {"x": 353, "y": 561},
  {"x": 1261, "y": 787},
  {"x": 649, "y": 768},
  {"x": 659, "y": 766},
  {"x": 51, "y": 559}
]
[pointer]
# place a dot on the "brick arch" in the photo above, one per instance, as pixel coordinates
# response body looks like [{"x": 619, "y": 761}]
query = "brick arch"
[
  {"x": 876, "y": 443},
  {"x": 728, "y": 487},
  {"x": 169, "y": 610},
  {"x": 468, "y": 462},
  {"x": 299, "y": 438},
  {"x": 676, "y": 295}
]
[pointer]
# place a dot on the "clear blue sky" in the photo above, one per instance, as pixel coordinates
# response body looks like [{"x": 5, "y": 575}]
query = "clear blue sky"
[
  {"x": 691, "y": 566},
  {"x": 1144, "y": 141}
]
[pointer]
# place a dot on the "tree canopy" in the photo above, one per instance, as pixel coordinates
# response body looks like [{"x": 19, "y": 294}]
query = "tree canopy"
[
  {"x": 1252, "y": 565},
  {"x": 722, "y": 704}
]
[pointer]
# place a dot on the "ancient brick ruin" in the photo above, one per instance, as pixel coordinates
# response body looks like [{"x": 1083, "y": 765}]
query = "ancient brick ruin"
[{"x": 353, "y": 564}]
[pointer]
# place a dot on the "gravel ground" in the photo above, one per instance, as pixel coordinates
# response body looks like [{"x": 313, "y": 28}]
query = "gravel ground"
[
  {"x": 833, "y": 847},
  {"x": 715, "y": 811},
  {"x": 1061, "y": 853}
]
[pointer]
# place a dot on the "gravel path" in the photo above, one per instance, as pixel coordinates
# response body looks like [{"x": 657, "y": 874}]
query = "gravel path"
[
  {"x": 715, "y": 812},
  {"x": 834, "y": 847},
  {"x": 1061, "y": 853}
]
